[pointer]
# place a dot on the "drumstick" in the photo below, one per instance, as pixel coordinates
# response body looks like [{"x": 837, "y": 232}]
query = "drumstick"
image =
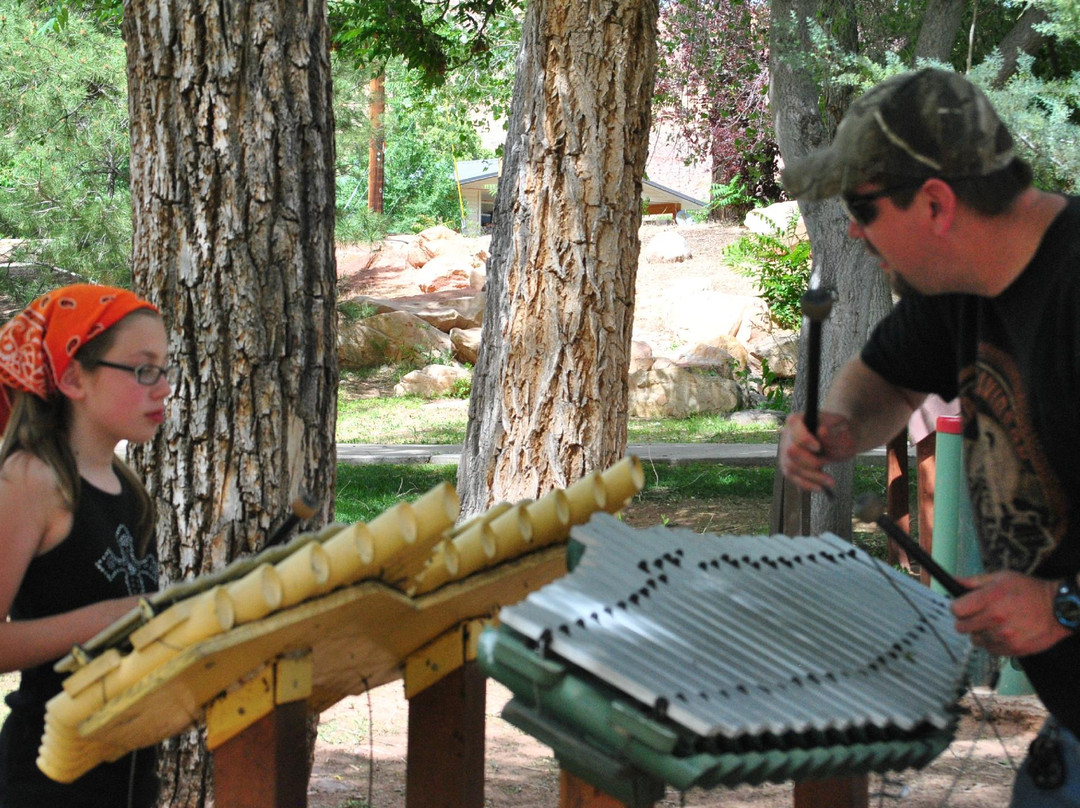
[{"x": 868, "y": 508}]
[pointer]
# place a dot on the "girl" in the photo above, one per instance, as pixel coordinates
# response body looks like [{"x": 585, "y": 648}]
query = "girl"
[{"x": 81, "y": 369}]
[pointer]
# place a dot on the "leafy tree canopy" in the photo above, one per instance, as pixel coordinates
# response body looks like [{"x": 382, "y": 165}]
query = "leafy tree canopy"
[
  {"x": 64, "y": 157},
  {"x": 433, "y": 37}
]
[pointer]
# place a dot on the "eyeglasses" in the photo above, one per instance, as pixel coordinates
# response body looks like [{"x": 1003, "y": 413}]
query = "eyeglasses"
[
  {"x": 147, "y": 374},
  {"x": 861, "y": 209}
]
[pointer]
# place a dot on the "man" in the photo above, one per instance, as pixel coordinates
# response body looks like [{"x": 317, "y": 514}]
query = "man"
[{"x": 988, "y": 269}]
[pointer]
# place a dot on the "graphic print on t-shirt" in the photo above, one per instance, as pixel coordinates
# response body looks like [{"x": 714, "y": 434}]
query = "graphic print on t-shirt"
[
  {"x": 140, "y": 574},
  {"x": 1017, "y": 500}
]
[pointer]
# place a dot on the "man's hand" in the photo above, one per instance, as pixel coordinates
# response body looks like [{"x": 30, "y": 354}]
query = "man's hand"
[
  {"x": 1009, "y": 614},
  {"x": 803, "y": 456}
]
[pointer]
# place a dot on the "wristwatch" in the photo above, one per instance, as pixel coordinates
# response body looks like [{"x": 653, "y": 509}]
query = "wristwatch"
[{"x": 1067, "y": 604}]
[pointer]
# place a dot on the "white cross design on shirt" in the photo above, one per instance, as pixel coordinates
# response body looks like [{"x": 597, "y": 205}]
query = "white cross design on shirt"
[{"x": 134, "y": 569}]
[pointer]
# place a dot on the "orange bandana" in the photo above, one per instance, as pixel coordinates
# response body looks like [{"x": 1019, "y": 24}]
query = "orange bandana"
[{"x": 38, "y": 344}]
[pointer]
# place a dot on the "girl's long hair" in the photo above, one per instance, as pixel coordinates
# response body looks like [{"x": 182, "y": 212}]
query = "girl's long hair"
[{"x": 40, "y": 428}]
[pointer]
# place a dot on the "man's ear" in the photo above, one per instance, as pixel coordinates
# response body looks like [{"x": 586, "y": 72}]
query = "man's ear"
[
  {"x": 943, "y": 204},
  {"x": 72, "y": 381}
]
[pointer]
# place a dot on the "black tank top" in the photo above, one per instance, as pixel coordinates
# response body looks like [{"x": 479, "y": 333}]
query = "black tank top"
[{"x": 96, "y": 561}]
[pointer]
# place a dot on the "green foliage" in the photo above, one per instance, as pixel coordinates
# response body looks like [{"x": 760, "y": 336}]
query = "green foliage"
[
  {"x": 730, "y": 200},
  {"x": 1042, "y": 116},
  {"x": 779, "y": 263},
  {"x": 64, "y": 158},
  {"x": 424, "y": 130},
  {"x": 433, "y": 37},
  {"x": 364, "y": 492}
]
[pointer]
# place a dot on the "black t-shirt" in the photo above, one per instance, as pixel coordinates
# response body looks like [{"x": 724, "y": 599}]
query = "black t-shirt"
[
  {"x": 1014, "y": 361},
  {"x": 97, "y": 561}
]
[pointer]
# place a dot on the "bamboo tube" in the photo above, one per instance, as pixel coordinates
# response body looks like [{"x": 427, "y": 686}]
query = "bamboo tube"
[
  {"x": 351, "y": 554},
  {"x": 585, "y": 497},
  {"x": 391, "y": 531},
  {"x": 492, "y": 512},
  {"x": 550, "y": 517},
  {"x": 442, "y": 567},
  {"x": 621, "y": 482},
  {"x": 475, "y": 549},
  {"x": 434, "y": 513},
  {"x": 256, "y": 594},
  {"x": 205, "y": 615},
  {"x": 304, "y": 574},
  {"x": 513, "y": 533}
]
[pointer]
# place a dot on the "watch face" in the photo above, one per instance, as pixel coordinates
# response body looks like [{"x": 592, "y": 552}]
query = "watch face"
[{"x": 1067, "y": 607}]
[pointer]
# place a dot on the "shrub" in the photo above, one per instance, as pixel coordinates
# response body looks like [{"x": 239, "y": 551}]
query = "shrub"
[{"x": 779, "y": 264}]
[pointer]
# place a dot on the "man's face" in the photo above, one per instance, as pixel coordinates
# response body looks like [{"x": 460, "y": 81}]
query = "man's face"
[{"x": 891, "y": 235}]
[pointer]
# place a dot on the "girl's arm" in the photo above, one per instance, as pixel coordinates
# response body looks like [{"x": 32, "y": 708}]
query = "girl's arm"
[{"x": 36, "y": 518}]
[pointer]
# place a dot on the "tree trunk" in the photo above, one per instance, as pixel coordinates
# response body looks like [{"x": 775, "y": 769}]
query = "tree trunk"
[
  {"x": 549, "y": 400},
  {"x": 1022, "y": 38},
  {"x": 937, "y": 32},
  {"x": 839, "y": 263},
  {"x": 232, "y": 167}
]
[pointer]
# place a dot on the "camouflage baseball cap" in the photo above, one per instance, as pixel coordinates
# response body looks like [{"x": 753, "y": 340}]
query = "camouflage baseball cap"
[{"x": 922, "y": 124}]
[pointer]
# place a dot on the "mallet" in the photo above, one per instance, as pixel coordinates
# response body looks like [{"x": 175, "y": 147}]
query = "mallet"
[
  {"x": 868, "y": 508},
  {"x": 303, "y": 508},
  {"x": 816, "y": 307}
]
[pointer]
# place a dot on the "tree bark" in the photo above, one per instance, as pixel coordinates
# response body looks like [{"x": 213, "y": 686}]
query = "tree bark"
[
  {"x": 232, "y": 166},
  {"x": 839, "y": 263},
  {"x": 937, "y": 33},
  {"x": 550, "y": 393},
  {"x": 1022, "y": 38}
]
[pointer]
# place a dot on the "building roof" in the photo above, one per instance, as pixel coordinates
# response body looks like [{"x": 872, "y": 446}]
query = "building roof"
[{"x": 481, "y": 173}]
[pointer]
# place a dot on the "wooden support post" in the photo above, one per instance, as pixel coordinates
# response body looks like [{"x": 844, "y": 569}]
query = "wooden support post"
[
  {"x": 446, "y": 742},
  {"x": 840, "y": 792},
  {"x": 265, "y": 765},
  {"x": 576, "y": 793},
  {"x": 897, "y": 496},
  {"x": 925, "y": 474}
]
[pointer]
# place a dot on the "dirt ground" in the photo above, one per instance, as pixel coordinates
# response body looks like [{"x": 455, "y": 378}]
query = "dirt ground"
[{"x": 363, "y": 740}]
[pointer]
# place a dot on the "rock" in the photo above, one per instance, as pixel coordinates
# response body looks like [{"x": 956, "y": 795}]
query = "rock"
[
  {"x": 667, "y": 247},
  {"x": 759, "y": 417},
  {"x": 775, "y": 219},
  {"x": 441, "y": 241},
  {"x": 722, "y": 355},
  {"x": 445, "y": 310},
  {"x": 641, "y": 356},
  {"x": 674, "y": 392},
  {"x": 780, "y": 352},
  {"x": 466, "y": 342},
  {"x": 431, "y": 381},
  {"x": 384, "y": 338}
]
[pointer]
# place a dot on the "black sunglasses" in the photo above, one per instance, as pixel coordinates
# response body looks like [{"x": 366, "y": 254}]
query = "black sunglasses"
[
  {"x": 146, "y": 374},
  {"x": 861, "y": 209}
]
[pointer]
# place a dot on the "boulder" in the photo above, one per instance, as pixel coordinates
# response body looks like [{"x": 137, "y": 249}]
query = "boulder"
[
  {"x": 674, "y": 392},
  {"x": 667, "y": 247},
  {"x": 431, "y": 381},
  {"x": 775, "y": 219},
  {"x": 641, "y": 356},
  {"x": 454, "y": 308},
  {"x": 722, "y": 355},
  {"x": 781, "y": 352},
  {"x": 385, "y": 338},
  {"x": 466, "y": 342}
]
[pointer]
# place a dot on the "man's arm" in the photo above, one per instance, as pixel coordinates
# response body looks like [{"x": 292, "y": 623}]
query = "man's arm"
[{"x": 861, "y": 411}]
